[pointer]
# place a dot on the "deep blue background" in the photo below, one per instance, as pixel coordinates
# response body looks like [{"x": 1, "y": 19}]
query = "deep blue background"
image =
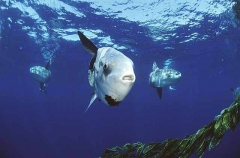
[{"x": 54, "y": 125}]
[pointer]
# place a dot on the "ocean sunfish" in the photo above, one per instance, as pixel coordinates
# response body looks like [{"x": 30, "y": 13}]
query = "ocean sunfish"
[
  {"x": 160, "y": 78},
  {"x": 41, "y": 75},
  {"x": 110, "y": 73}
]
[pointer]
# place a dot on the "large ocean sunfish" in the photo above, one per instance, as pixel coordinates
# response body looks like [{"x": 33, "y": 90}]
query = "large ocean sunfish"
[
  {"x": 110, "y": 73},
  {"x": 41, "y": 75},
  {"x": 160, "y": 78}
]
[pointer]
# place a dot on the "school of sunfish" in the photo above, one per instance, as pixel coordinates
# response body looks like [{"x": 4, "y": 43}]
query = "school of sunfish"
[{"x": 110, "y": 74}]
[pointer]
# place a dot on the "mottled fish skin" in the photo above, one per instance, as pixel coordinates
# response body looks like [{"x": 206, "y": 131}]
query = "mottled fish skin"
[
  {"x": 110, "y": 73},
  {"x": 41, "y": 75},
  {"x": 164, "y": 77},
  {"x": 117, "y": 79}
]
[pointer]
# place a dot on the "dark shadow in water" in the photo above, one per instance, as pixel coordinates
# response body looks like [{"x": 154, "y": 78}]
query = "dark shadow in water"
[{"x": 3, "y": 152}]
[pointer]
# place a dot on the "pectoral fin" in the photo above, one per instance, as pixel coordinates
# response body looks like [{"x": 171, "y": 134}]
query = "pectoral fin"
[
  {"x": 159, "y": 90},
  {"x": 94, "y": 96}
]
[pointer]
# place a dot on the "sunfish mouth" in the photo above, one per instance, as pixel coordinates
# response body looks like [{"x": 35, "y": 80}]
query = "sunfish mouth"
[{"x": 128, "y": 78}]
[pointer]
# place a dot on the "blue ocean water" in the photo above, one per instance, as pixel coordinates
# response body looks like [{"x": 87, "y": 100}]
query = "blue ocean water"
[{"x": 198, "y": 38}]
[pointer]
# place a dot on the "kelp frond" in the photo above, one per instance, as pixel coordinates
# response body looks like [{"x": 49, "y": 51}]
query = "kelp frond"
[{"x": 207, "y": 137}]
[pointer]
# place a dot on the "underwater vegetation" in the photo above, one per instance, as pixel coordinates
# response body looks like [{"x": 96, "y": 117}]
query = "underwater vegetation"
[
  {"x": 236, "y": 92},
  {"x": 207, "y": 137}
]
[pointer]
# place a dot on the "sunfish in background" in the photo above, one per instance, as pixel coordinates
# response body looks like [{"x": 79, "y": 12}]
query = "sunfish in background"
[
  {"x": 160, "y": 78},
  {"x": 41, "y": 75},
  {"x": 110, "y": 73}
]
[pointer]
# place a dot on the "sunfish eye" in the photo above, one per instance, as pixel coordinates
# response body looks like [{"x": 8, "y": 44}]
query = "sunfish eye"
[{"x": 105, "y": 67}]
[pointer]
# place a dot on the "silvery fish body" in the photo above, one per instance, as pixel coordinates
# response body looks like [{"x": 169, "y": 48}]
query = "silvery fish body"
[
  {"x": 41, "y": 75},
  {"x": 110, "y": 73},
  {"x": 160, "y": 78}
]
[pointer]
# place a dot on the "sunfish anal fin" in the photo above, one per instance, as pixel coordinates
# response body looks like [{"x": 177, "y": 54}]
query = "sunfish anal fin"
[
  {"x": 94, "y": 96},
  {"x": 159, "y": 90},
  {"x": 42, "y": 87}
]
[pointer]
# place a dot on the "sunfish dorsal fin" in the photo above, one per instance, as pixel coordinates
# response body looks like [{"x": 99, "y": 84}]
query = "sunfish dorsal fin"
[
  {"x": 92, "y": 100},
  {"x": 159, "y": 90},
  {"x": 154, "y": 67},
  {"x": 48, "y": 65},
  {"x": 88, "y": 45}
]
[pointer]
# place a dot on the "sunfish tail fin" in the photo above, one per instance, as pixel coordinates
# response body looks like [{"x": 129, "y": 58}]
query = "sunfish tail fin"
[
  {"x": 88, "y": 45},
  {"x": 92, "y": 100},
  {"x": 159, "y": 91}
]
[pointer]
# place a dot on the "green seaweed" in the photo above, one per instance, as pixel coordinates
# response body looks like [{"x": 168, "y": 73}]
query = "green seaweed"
[{"x": 207, "y": 137}]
